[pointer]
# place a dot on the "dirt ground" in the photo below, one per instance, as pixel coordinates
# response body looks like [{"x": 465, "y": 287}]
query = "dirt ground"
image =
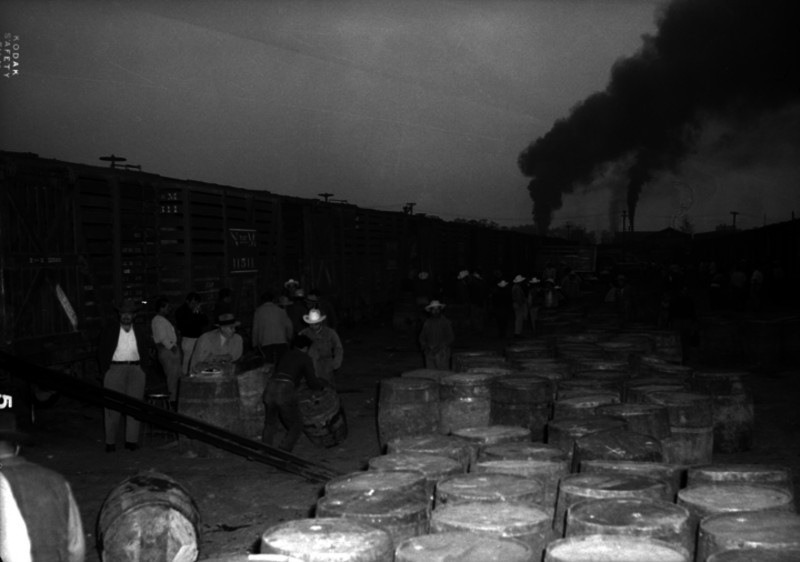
[{"x": 238, "y": 499}]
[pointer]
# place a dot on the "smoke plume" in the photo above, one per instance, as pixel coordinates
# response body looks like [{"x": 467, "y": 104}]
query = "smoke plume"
[{"x": 731, "y": 60}]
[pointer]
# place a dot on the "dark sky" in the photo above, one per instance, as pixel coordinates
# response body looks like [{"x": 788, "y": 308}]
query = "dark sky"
[{"x": 379, "y": 102}]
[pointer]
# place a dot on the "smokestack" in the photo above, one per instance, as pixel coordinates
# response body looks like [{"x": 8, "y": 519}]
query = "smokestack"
[{"x": 727, "y": 59}]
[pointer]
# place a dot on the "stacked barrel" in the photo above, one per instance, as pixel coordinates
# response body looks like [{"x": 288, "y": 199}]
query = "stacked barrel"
[{"x": 592, "y": 445}]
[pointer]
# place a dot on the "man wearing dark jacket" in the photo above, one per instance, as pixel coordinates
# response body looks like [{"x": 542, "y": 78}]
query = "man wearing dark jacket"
[
  {"x": 280, "y": 396},
  {"x": 122, "y": 351}
]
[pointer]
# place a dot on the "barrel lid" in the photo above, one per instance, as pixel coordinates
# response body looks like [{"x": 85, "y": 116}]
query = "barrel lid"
[
  {"x": 588, "y": 400},
  {"x": 602, "y": 374},
  {"x": 750, "y": 529},
  {"x": 329, "y": 535},
  {"x": 755, "y": 555},
  {"x": 735, "y": 497},
  {"x": 433, "y": 374},
  {"x": 609, "y": 482},
  {"x": 522, "y": 467},
  {"x": 639, "y": 513},
  {"x": 619, "y": 444},
  {"x": 601, "y": 548},
  {"x": 678, "y": 398},
  {"x": 408, "y": 383},
  {"x": 630, "y": 409},
  {"x": 464, "y": 547},
  {"x": 466, "y": 379},
  {"x": 492, "y": 433},
  {"x": 371, "y": 481},
  {"x": 522, "y": 450},
  {"x": 430, "y": 465},
  {"x": 480, "y": 486},
  {"x": 493, "y": 517},
  {"x": 772, "y": 475},
  {"x": 582, "y": 426}
]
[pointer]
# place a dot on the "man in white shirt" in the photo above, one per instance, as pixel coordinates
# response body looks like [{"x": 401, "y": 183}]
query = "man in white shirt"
[
  {"x": 121, "y": 353},
  {"x": 272, "y": 328},
  {"x": 166, "y": 341}
]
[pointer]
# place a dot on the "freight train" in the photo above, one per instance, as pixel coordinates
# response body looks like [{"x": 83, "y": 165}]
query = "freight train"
[{"x": 77, "y": 239}]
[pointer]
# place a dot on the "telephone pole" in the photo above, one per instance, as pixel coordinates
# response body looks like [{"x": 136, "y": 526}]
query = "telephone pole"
[
  {"x": 325, "y": 196},
  {"x": 734, "y": 213}
]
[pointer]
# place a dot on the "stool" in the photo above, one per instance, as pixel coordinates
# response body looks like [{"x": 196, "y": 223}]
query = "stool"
[{"x": 159, "y": 400}]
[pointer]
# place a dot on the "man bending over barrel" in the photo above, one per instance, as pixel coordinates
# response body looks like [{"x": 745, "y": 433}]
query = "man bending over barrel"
[{"x": 280, "y": 395}]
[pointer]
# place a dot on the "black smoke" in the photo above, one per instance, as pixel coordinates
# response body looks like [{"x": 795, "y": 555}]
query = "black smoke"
[{"x": 723, "y": 59}]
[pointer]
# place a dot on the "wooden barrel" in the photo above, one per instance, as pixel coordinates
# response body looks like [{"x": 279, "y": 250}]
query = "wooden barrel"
[
  {"x": 685, "y": 409},
  {"x": 526, "y": 523},
  {"x": 464, "y": 401},
  {"x": 567, "y": 388},
  {"x": 402, "y": 516},
  {"x": 324, "y": 421},
  {"x": 551, "y": 369},
  {"x": 578, "y": 487},
  {"x": 431, "y": 374},
  {"x": 724, "y": 474},
  {"x": 634, "y": 517},
  {"x": 407, "y": 406},
  {"x": 148, "y": 516},
  {"x": 563, "y": 433},
  {"x": 636, "y": 390},
  {"x": 522, "y": 451},
  {"x": 251, "y": 406},
  {"x": 534, "y": 349},
  {"x": 688, "y": 446},
  {"x": 213, "y": 399},
  {"x": 461, "y": 358},
  {"x": 330, "y": 538},
  {"x": 616, "y": 445},
  {"x": 464, "y": 547},
  {"x": 410, "y": 483},
  {"x": 773, "y": 530},
  {"x": 755, "y": 555},
  {"x": 489, "y": 488},
  {"x": 434, "y": 467},
  {"x": 481, "y": 437},
  {"x": 648, "y": 419},
  {"x": 650, "y": 366},
  {"x": 602, "y": 548},
  {"x": 702, "y": 501},
  {"x": 547, "y": 472},
  {"x": 253, "y": 558},
  {"x": 523, "y": 402},
  {"x": 433, "y": 444},
  {"x": 673, "y": 476},
  {"x": 584, "y": 405}
]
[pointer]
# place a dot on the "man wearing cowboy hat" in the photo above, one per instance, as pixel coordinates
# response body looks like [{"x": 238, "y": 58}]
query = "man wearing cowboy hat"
[
  {"x": 39, "y": 519},
  {"x": 121, "y": 353},
  {"x": 436, "y": 338},
  {"x": 218, "y": 348},
  {"x": 519, "y": 301},
  {"x": 326, "y": 347}
]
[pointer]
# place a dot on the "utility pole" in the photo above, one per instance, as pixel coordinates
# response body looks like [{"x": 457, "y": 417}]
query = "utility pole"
[
  {"x": 325, "y": 196},
  {"x": 734, "y": 213}
]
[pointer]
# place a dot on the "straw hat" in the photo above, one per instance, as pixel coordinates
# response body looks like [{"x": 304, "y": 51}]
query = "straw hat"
[
  {"x": 314, "y": 316},
  {"x": 519, "y": 279},
  {"x": 502, "y": 283},
  {"x": 291, "y": 282},
  {"x": 535, "y": 280},
  {"x": 434, "y": 304},
  {"x": 463, "y": 273},
  {"x": 423, "y": 275}
]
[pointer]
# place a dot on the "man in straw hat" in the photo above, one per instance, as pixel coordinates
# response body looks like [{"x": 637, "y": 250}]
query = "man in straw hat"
[
  {"x": 122, "y": 353},
  {"x": 519, "y": 300},
  {"x": 219, "y": 348},
  {"x": 39, "y": 519},
  {"x": 436, "y": 337},
  {"x": 326, "y": 347}
]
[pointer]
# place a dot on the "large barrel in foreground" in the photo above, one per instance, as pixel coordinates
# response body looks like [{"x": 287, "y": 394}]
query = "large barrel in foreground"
[{"x": 150, "y": 517}]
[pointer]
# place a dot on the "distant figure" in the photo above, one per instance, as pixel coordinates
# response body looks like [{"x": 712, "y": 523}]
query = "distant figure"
[
  {"x": 478, "y": 299},
  {"x": 39, "y": 519},
  {"x": 624, "y": 300},
  {"x": 534, "y": 301},
  {"x": 280, "y": 394},
  {"x": 519, "y": 300},
  {"x": 571, "y": 285},
  {"x": 436, "y": 338},
  {"x": 501, "y": 307},
  {"x": 424, "y": 289},
  {"x": 191, "y": 322},
  {"x": 219, "y": 348},
  {"x": 737, "y": 285},
  {"x": 756, "y": 288},
  {"x": 166, "y": 341},
  {"x": 463, "y": 283},
  {"x": 326, "y": 347},
  {"x": 224, "y": 302},
  {"x": 121, "y": 352},
  {"x": 272, "y": 328},
  {"x": 290, "y": 287}
]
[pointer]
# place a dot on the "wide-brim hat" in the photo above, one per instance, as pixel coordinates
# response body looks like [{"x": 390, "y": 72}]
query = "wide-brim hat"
[
  {"x": 227, "y": 319},
  {"x": 128, "y": 306},
  {"x": 502, "y": 283},
  {"x": 291, "y": 282},
  {"x": 434, "y": 304},
  {"x": 535, "y": 280},
  {"x": 463, "y": 273},
  {"x": 519, "y": 279},
  {"x": 314, "y": 316},
  {"x": 9, "y": 431},
  {"x": 423, "y": 275}
]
